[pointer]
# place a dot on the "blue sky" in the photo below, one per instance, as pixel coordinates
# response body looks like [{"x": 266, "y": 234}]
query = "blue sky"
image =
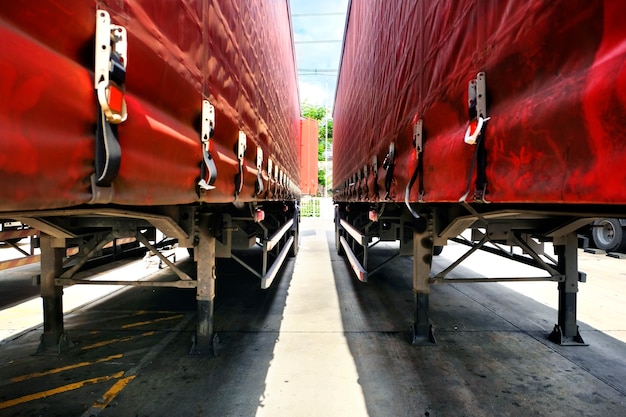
[{"x": 318, "y": 27}]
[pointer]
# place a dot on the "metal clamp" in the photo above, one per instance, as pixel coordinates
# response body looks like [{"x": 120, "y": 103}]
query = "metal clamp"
[
  {"x": 259, "y": 169},
  {"x": 417, "y": 142},
  {"x": 388, "y": 165},
  {"x": 241, "y": 153},
  {"x": 208, "y": 170},
  {"x": 110, "y": 67},
  {"x": 418, "y": 137},
  {"x": 477, "y": 108},
  {"x": 109, "y": 83}
]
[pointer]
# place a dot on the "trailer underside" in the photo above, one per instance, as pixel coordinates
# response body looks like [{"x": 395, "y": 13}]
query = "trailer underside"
[
  {"x": 516, "y": 232},
  {"x": 209, "y": 232}
]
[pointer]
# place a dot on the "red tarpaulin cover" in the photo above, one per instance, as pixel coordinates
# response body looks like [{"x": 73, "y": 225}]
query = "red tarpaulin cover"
[
  {"x": 556, "y": 94},
  {"x": 238, "y": 55}
]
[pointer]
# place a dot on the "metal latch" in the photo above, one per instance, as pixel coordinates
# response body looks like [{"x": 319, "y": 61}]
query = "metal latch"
[
  {"x": 208, "y": 170},
  {"x": 109, "y": 84},
  {"x": 388, "y": 165},
  {"x": 417, "y": 137},
  {"x": 259, "y": 170},
  {"x": 241, "y": 153},
  {"x": 477, "y": 108},
  {"x": 276, "y": 179},
  {"x": 110, "y": 67}
]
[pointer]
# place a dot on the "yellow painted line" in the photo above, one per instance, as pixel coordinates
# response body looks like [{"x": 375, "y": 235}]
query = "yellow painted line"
[
  {"x": 58, "y": 390},
  {"x": 112, "y": 393},
  {"x": 107, "y": 342},
  {"x": 141, "y": 323},
  {"x": 65, "y": 368},
  {"x": 111, "y": 341},
  {"x": 142, "y": 312}
]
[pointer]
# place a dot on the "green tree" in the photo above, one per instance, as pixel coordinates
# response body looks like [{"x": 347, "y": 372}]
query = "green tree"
[
  {"x": 321, "y": 178},
  {"x": 314, "y": 112}
]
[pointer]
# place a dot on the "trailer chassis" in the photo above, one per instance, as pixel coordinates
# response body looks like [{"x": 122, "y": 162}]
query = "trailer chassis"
[
  {"x": 209, "y": 231},
  {"x": 497, "y": 230}
]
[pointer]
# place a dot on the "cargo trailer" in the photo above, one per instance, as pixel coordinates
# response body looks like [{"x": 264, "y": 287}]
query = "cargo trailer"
[
  {"x": 503, "y": 117},
  {"x": 122, "y": 117}
]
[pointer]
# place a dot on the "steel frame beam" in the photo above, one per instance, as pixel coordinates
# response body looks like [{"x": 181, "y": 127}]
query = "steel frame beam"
[
  {"x": 422, "y": 331},
  {"x": 54, "y": 338},
  {"x": 566, "y": 331},
  {"x": 516, "y": 229},
  {"x": 206, "y": 341}
]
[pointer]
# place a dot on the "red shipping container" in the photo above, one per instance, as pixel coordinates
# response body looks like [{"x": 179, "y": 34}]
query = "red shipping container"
[{"x": 308, "y": 162}]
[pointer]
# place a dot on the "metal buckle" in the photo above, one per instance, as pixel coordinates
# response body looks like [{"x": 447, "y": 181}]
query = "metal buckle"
[{"x": 110, "y": 67}]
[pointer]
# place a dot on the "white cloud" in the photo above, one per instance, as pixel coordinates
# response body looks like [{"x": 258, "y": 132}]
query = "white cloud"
[
  {"x": 314, "y": 94},
  {"x": 318, "y": 34}
]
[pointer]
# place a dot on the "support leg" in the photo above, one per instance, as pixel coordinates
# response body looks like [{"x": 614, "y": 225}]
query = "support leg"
[
  {"x": 53, "y": 338},
  {"x": 566, "y": 331},
  {"x": 206, "y": 341},
  {"x": 422, "y": 332}
]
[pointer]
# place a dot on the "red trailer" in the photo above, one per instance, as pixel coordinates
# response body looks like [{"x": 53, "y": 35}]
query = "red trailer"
[
  {"x": 500, "y": 116},
  {"x": 308, "y": 152},
  {"x": 121, "y": 116}
]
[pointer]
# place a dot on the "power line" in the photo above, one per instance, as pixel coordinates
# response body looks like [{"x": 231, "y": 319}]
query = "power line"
[
  {"x": 319, "y": 14},
  {"x": 324, "y": 41},
  {"x": 333, "y": 71}
]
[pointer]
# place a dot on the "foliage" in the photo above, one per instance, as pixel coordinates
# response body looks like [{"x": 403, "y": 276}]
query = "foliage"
[
  {"x": 314, "y": 112},
  {"x": 321, "y": 131},
  {"x": 321, "y": 178}
]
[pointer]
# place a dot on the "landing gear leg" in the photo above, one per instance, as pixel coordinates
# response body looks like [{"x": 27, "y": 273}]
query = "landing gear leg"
[
  {"x": 53, "y": 338},
  {"x": 205, "y": 341},
  {"x": 566, "y": 331},
  {"x": 422, "y": 331}
]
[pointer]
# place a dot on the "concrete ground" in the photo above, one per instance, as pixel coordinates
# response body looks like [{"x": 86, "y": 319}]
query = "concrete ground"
[{"x": 320, "y": 343}]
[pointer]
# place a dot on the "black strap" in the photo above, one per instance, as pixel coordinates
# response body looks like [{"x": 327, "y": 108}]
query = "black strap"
[
  {"x": 108, "y": 152},
  {"x": 481, "y": 159}
]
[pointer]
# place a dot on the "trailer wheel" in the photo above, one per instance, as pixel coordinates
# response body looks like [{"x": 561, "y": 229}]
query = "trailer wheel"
[
  {"x": 608, "y": 235},
  {"x": 437, "y": 250}
]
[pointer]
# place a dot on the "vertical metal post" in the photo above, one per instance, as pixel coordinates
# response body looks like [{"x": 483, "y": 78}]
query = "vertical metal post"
[
  {"x": 53, "y": 336},
  {"x": 566, "y": 331},
  {"x": 206, "y": 341},
  {"x": 422, "y": 332}
]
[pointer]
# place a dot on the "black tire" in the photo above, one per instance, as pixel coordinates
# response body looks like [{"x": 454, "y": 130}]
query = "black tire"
[
  {"x": 608, "y": 235},
  {"x": 437, "y": 250}
]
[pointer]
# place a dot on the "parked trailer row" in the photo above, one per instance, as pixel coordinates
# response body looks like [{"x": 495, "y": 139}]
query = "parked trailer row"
[
  {"x": 499, "y": 116},
  {"x": 124, "y": 116}
]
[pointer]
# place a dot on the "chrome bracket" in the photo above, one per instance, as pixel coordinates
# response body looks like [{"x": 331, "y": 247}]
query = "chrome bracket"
[
  {"x": 418, "y": 137},
  {"x": 259, "y": 170},
  {"x": 111, "y": 59},
  {"x": 208, "y": 170},
  {"x": 241, "y": 152}
]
